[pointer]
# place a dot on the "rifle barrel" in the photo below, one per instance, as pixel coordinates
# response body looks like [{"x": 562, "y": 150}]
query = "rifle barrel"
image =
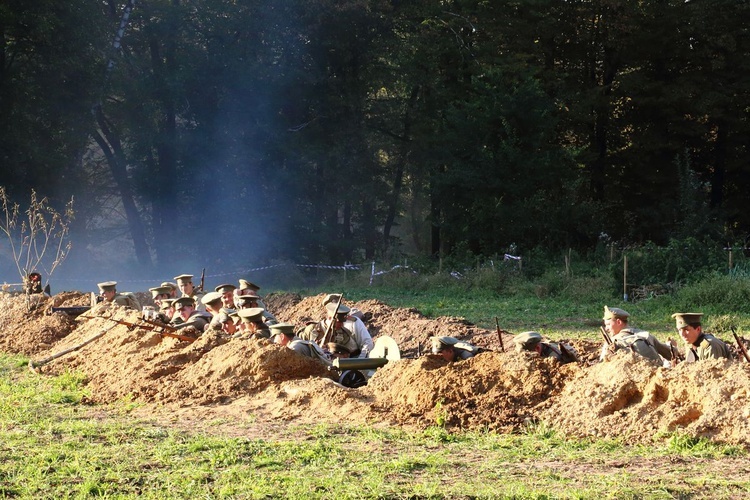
[{"x": 499, "y": 334}]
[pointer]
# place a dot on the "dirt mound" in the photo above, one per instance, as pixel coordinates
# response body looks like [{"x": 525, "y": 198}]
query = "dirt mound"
[
  {"x": 628, "y": 397},
  {"x": 254, "y": 380},
  {"x": 148, "y": 367},
  {"x": 408, "y": 327},
  {"x": 28, "y": 325},
  {"x": 496, "y": 391}
]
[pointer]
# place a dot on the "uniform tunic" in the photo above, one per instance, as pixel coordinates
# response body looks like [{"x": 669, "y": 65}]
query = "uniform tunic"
[
  {"x": 309, "y": 349},
  {"x": 707, "y": 346},
  {"x": 643, "y": 343}
]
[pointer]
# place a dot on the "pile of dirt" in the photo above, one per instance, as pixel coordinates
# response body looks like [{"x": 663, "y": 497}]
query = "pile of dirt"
[
  {"x": 242, "y": 380},
  {"x": 500, "y": 391},
  {"x": 27, "y": 326},
  {"x": 631, "y": 398}
]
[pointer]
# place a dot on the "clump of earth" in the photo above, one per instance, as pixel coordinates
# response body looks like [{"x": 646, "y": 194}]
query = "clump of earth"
[{"x": 254, "y": 382}]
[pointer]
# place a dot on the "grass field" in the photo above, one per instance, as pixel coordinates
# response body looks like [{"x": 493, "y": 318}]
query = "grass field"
[{"x": 55, "y": 445}]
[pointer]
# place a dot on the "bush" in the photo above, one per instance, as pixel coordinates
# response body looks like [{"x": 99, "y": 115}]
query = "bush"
[{"x": 715, "y": 292}]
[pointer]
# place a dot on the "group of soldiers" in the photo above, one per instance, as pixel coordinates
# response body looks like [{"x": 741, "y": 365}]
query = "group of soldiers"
[
  {"x": 238, "y": 311},
  {"x": 699, "y": 345}
]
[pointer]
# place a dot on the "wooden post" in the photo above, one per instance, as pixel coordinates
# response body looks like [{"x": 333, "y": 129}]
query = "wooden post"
[
  {"x": 625, "y": 279},
  {"x": 567, "y": 264},
  {"x": 730, "y": 259}
]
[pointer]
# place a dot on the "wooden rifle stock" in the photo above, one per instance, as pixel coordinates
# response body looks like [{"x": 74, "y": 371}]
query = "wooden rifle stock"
[
  {"x": 606, "y": 336},
  {"x": 741, "y": 346},
  {"x": 329, "y": 331},
  {"x": 499, "y": 335}
]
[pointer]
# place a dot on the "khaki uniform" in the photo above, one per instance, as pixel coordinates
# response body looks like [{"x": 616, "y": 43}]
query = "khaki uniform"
[
  {"x": 197, "y": 319},
  {"x": 553, "y": 350},
  {"x": 707, "y": 347},
  {"x": 309, "y": 349},
  {"x": 126, "y": 299},
  {"x": 464, "y": 351},
  {"x": 643, "y": 343}
]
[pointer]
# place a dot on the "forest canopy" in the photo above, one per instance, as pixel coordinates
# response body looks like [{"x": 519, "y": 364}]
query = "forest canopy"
[{"x": 332, "y": 131}]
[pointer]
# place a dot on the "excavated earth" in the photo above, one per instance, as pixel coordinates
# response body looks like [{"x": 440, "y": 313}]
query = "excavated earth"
[{"x": 253, "y": 385}]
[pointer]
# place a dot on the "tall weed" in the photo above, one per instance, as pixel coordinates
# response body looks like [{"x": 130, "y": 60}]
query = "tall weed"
[{"x": 716, "y": 292}]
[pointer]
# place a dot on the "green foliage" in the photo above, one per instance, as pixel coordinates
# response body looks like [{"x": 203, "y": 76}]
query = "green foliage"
[
  {"x": 681, "y": 261},
  {"x": 353, "y": 128},
  {"x": 716, "y": 292}
]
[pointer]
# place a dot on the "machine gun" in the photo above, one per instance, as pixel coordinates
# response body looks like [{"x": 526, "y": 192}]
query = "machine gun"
[
  {"x": 355, "y": 372},
  {"x": 154, "y": 326}
]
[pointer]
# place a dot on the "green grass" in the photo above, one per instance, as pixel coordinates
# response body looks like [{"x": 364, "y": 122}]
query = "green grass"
[
  {"x": 54, "y": 446},
  {"x": 558, "y": 306}
]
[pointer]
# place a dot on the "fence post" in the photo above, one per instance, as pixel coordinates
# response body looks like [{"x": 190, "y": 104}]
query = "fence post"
[{"x": 625, "y": 279}]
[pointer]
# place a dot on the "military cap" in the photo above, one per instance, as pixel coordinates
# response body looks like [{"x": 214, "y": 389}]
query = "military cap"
[
  {"x": 160, "y": 290},
  {"x": 526, "y": 341},
  {"x": 285, "y": 328},
  {"x": 244, "y": 285},
  {"x": 440, "y": 343},
  {"x": 225, "y": 288},
  {"x": 166, "y": 304},
  {"x": 338, "y": 348},
  {"x": 251, "y": 315},
  {"x": 107, "y": 286},
  {"x": 249, "y": 296},
  {"x": 211, "y": 297},
  {"x": 684, "y": 319},
  {"x": 225, "y": 317},
  {"x": 183, "y": 301},
  {"x": 246, "y": 299},
  {"x": 615, "y": 312},
  {"x": 331, "y": 308},
  {"x": 331, "y": 297},
  {"x": 183, "y": 278},
  {"x": 171, "y": 285}
]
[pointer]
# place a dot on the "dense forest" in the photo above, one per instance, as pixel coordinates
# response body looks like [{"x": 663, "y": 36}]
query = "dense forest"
[{"x": 332, "y": 131}]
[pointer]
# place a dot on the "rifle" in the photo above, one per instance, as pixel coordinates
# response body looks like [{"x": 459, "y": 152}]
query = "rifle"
[
  {"x": 606, "y": 336},
  {"x": 499, "y": 335},
  {"x": 70, "y": 311},
  {"x": 33, "y": 365},
  {"x": 153, "y": 326},
  {"x": 203, "y": 278},
  {"x": 329, "y": 330},
  {"x": 741, "y": 346}
]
